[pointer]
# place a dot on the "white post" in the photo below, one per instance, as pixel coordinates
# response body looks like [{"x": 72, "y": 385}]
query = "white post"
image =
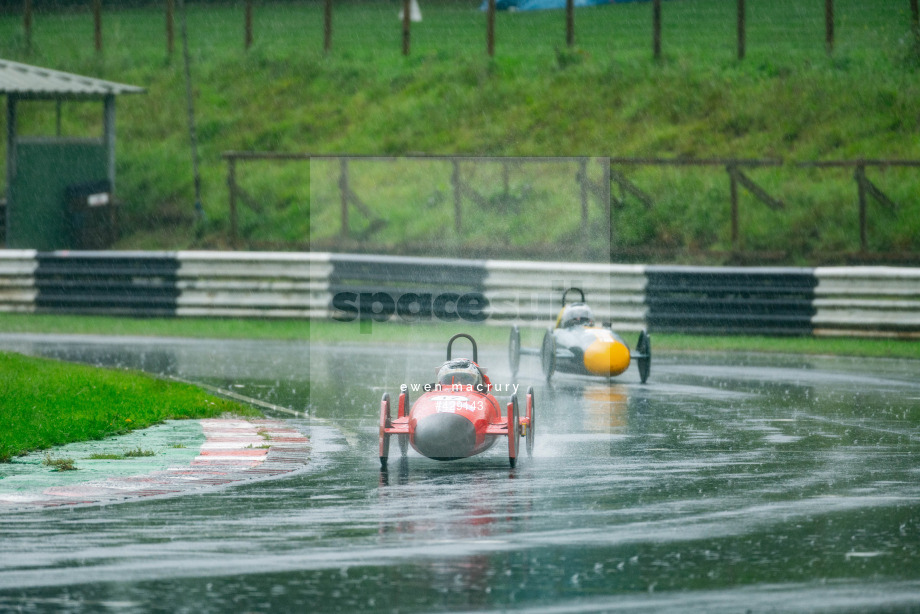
[{"x": 415, "y": 12}]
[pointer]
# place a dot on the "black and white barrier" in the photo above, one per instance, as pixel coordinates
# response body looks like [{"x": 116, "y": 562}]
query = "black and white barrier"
[
  {"x": 867, "y": 300},
  {"x": 17, "y": 280},
  {"x": 730, "y": 299},
  {"x": 724, "y": 300}
]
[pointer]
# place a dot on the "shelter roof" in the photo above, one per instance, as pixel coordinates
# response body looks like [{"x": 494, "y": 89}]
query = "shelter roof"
[{"x": 36, "y": 82}]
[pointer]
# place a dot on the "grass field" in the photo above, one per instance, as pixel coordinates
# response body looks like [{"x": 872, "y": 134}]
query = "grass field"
[
  {"x": 606, "y": 96},
  {"x": 45, "y": 403}
]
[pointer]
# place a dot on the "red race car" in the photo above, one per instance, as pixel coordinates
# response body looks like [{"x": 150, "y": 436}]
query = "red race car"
[{"x": 457, "y": 416}]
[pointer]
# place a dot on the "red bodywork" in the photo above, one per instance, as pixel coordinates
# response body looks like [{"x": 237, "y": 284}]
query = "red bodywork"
[{"x": 453, "y": 422}]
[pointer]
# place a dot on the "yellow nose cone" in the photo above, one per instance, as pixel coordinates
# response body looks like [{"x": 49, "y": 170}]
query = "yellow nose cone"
[{"x": 606, "y": 357}]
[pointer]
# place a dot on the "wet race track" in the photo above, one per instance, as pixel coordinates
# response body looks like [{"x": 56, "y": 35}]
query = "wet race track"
[{"x": 728, "y": 483}]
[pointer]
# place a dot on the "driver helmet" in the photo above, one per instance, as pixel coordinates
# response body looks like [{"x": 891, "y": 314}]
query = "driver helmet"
[
  {"x": 460, "y": 371},
  {"x": 576, "y": 314}
]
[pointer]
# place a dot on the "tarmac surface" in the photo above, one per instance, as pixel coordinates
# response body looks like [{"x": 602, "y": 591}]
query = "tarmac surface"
[{"x": 728, "y": 483}]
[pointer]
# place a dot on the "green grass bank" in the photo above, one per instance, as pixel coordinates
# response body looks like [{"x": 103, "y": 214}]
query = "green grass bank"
[
  {"x": 606, "y": 96},
  {"x": 46, "y": 403}
]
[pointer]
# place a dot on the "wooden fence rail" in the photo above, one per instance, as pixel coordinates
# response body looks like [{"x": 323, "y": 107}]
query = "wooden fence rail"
[
  {"x": 865, "y": 187},
  {"x": 463, "y": 191},
  {"x": 732, "y": 167}
]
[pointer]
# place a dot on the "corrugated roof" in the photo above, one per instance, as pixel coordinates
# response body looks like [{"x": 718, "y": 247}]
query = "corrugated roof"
[{"x": 26, "y": 80}]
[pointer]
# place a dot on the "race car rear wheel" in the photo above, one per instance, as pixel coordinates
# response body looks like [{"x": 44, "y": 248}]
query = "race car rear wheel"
[
  {"x": 384, "y": 425},
  {"x": 514, "y": 350},
  {"x": 530, "y": 423},
  {"x": 548, "y": 354},
  {"x": 514, "y": 430},
  {"x": 644, "y": 350}
]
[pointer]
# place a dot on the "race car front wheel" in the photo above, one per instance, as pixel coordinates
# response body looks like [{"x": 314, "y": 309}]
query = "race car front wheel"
[
  {"x": 514, "y": 350},
  {"x": 514, "y": 430},
  {"x": 548, "y": 354},
  {"x": 530, "y": 423},
  {"x": 402, "y": 412},
  {"x": 384, "y": 425},
  {"x": 644, "y": 358}
]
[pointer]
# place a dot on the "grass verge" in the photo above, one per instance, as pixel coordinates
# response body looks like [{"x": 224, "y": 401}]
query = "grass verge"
[{"x": 46, "y": 403}]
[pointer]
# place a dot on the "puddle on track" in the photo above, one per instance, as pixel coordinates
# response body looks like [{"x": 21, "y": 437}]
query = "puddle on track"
[{"x": 728, "y": 483}]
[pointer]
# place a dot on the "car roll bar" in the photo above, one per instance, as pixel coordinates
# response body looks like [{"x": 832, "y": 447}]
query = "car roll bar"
[
  {"x": 465, "y": 336},
  {"x": 564, "y": 294}
]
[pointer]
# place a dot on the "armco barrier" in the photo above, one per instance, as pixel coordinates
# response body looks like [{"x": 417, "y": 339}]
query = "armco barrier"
[
  {"x": 726, "y": 300},
  {"x": 730, "y": 300},
  {"x": 119, "y": 283},
  {"x": 17, "y": 280},
  {"x": 253, "y": 284},
  {"x": 531, "y": 292},
  {"x": 359, "y": 283},
  {"x": 867, "y": 301}
]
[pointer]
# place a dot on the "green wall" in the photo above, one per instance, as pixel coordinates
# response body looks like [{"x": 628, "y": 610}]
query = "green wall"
[{"x": 37, "y": 215}]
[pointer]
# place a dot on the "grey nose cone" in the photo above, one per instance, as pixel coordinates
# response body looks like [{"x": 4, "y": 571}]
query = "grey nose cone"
[{"x": 445, "y": 436}]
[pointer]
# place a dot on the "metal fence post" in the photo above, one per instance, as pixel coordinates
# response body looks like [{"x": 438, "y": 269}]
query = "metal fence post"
[
  {"x": 343, "y": 189},
  {"x": 860, "y": 176},
  {"x": 829, "y": 25},
  {"x": 733, "y": 191},
  {"x": 327, "y": 26},
  {"x": 97, "y": 24},
  {"x": 406, "y": 27},
  {"x": 455, "y": 182},
  {"x": 569, "y": 22},
  {"x": 656, "y": 29},
  {"x": 27, "y": 23},
  {"x": 170, "y": 28},
  {"x": 248, "y": 25},
  {"x": 490, "y": 29},
  {"x": 741, "y": 30},
  {"x": 583, "y": 189},
  {"x": 231, "y": 188},
  {"x": 608, "y": 217}
]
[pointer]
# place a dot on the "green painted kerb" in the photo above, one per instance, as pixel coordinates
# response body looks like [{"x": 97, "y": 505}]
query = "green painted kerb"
[{"x": 175, "y": 443}]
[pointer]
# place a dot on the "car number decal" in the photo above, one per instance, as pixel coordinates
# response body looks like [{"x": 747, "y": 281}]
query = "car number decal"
[
  {"x": 603, "y": 335},
  {"x": 452, "y": 404}
]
